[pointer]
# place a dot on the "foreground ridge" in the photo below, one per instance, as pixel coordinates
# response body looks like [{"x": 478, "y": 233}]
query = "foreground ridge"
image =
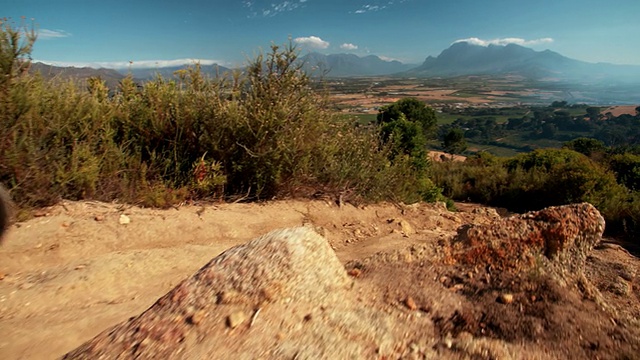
[{"x": 521, "y": 287}]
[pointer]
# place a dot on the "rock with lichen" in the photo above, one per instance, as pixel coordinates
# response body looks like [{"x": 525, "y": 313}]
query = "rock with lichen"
[
  {"x": 562, "y": 235},
  {"x": 267, "y": 291}
]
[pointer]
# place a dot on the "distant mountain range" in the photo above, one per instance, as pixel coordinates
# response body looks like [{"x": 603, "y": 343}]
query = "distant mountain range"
[
  {"x": 346, "y": 65},
  {"x": 168, "y": 72},
  {"x": 466, "y": 59},
  {"x": 460, "y": 59},
  {"x": 110, "y": 76}
]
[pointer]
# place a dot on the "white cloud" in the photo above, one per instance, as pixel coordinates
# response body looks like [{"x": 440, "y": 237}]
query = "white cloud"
[
  {"x": 387, "y": 58},
  {"x": 377, "y": 5},
  {"x": 44, "y": 34},
  {"x": 368, "y": 8},
  {"x": 272, "y": 9},
  {"x": 312, "y": 42},
  {"x": 133, "y": 64},
  {"x": 348, "y": 46},
  {"x": 505, "y": 41}
]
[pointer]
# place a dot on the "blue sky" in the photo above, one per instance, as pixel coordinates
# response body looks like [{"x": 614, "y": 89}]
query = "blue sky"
[{"x": 159, "y": 32}]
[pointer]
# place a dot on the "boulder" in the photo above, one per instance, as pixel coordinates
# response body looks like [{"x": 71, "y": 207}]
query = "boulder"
[
  {"x": 283, "y": 295},
  {"x": 561, "y": 235}
]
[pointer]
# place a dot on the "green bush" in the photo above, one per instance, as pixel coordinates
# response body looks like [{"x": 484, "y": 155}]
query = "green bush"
[
  {"x": 539, "y": 179},
  {"x": 627, "y": 169},
  {"x": 257, "y": 134}
]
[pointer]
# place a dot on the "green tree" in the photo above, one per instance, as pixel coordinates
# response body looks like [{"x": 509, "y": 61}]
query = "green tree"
[
  {"x": 549, "y": 130},
  {"x": 406, "y": 138},
  {"x": 585, "y": 146},
  {"x": 414, "y": 110},
  {"x": 406, "y": 125},
  {"x": 454, "y": 141},
  {"x": 627, "y": 169},
  {"x": 15, "y": 52},
  {"x": 593, "y": 113}
]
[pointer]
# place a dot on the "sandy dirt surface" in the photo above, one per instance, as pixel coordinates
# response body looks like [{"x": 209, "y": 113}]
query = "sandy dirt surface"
[
  {"x": 80, "y": 268},
  {"x": 619, "y": 110},
  {"x": 443, "y": 156},
  {"x": 67, "y": 274}
]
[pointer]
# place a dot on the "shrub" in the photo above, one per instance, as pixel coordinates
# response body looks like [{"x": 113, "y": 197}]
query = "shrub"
[
  {"x": 259, "y": 134},
  {"x": 539, "y": 179}
]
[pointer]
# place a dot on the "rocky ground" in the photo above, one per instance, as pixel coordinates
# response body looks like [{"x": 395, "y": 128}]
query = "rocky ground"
[{"x": 95, "y": 280}]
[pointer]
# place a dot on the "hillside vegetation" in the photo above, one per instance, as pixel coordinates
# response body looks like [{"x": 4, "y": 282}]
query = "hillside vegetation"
[
  {"x": 260, "y": 134},
  {"x": 264, "y": 134}
]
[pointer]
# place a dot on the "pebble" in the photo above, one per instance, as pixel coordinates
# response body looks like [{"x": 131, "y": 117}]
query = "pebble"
[
  {"x": 407, "y": 229},
  {"x": 410, "y": 303},
  {"x": 236, "y": 318},
  {"x": 196, "y": 317},
  {"x": 355, "y": 272},
  {"x": 124, "y": 219},
  {"x": 506, "y": 298}
]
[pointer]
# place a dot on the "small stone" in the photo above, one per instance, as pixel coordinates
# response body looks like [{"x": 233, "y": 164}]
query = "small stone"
[
  {"x": 448, "y": 342},
  {"x": 355, "y": 272},
  {"x": 231, "y": 297},
  {"x": 40, "y": 213},
  {"x": 25, "y": 286},
  {"x": 505, "y": 298},
  {"x": 236, "y": 318},
  {"x": 407, "y": 229},
  {"x": 196, "y": 318},
  {"x": 98, "y": 218},
  {"x": 410, "y": 303},
  {"x": 620, "y": 287},
  {"x": 124, "y": 220}
]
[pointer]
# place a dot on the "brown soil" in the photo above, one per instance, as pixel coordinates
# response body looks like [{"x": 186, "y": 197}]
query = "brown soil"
[
  {"x": 440, "y": 156},
  {"x": 76, "y": 271},
  {"x": 619, "y": 110}
]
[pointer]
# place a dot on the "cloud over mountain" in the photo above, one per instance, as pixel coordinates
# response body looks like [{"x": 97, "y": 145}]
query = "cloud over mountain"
[
  {"x": 505, "y": 41},
  {"x": 348, "y": 46},
  {"x": 143, "y": 64},
  {"x": 312, "y": 42}
]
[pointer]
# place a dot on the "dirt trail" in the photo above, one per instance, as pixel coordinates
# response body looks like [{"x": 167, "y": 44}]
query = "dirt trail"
[
  {"x": 65, "y": 273},
  {"x": 77, "y": 269}
]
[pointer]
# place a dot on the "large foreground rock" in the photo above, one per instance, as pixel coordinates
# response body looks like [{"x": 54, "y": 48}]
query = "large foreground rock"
[
  {"x": 279, "y": 296},
  {"x": 561, "y": 235}
]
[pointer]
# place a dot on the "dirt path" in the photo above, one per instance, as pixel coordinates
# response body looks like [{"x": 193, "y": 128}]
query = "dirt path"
[
  {"x": 77, "y": 270},
  {"x": 66, "y": 273}
]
